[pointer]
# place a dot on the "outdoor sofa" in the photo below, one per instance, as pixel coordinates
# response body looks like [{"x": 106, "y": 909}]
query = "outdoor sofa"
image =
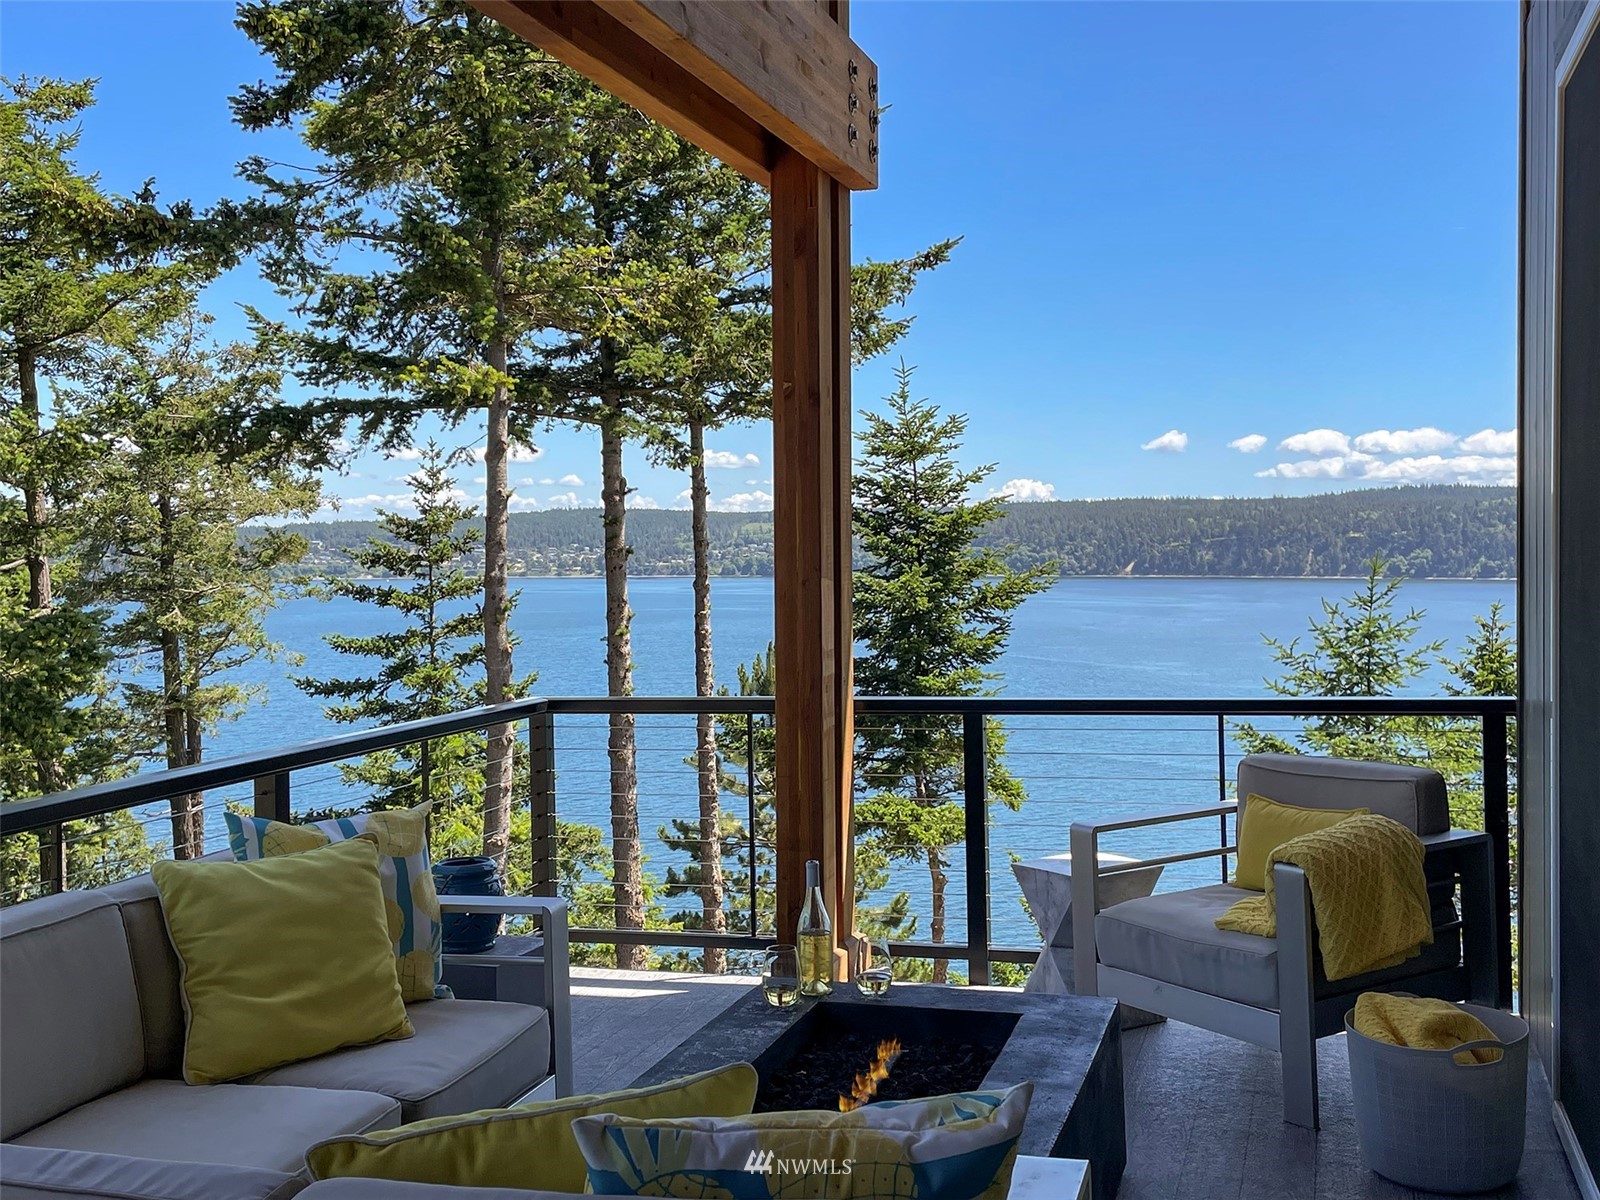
[
  {"x": 92, "y": 1104},
  {"x": 91, "y": 1041}
]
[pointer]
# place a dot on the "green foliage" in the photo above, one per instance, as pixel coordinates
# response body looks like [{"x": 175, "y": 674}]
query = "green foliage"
[
  {"x": 1359, "y": 647},
  {"x": 933, "y": 613},
  {"x": 1364, "y": 646},
  {"x": 162, "y": 517}
]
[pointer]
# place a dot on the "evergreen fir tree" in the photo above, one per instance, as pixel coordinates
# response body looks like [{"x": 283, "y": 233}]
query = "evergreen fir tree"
[
  {"x": 933, "y": 612},
  {"x": 184, "y": 537},
  {"x": 1360, "y": 646},
  {"x": 428, "y": 664}
]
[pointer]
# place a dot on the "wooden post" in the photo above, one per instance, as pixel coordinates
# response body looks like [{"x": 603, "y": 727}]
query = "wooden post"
[{"x": 811, "y": 515}]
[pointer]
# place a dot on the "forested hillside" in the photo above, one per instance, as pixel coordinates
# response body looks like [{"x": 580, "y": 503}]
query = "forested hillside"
[{"x": 1424, "y": 531}]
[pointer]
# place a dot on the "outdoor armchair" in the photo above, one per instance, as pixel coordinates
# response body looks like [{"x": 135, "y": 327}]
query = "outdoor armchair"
[{"x": 1164, "y": 952}]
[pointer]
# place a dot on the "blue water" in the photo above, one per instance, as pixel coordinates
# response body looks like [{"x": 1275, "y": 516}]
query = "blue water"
[{"x": 1084, "y": 637}]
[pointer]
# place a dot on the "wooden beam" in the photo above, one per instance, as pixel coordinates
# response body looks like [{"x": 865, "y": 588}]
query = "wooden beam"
[
  {"x": 811, "y": 520},
  {"x": 594, "y": 43},
  {"x": 737, "y": 78}
]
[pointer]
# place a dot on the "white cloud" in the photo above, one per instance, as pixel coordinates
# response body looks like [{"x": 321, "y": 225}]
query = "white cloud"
[
  {"x": 564, "y": 500},
  {"x": 1432, "y": 468},
  {"x": 638, "y": 501},
  {"x": 727, "y": 460},
  {"x": 757, "y": 501},
  {"x": 522, "y": 504},
  {"x": 1460, "y": 468},
  {"x": 1316, "y": 441},
  {"x": 405, "y": 453},
  {"x": 1172, "y": 441},
  {"x": 1335, "y": 466},
  {"x": 391, "y": 500},
  {"x": 1490, "y": 441},
  {"x": 547, "y": 481},
  {"x": 570, "y": 481},
  {"x": 1249, "y": 443},
  {"x": 1023, "y": 491},
  {"x": 1405, "y": 441},
  {"x": 517, "y": 453}
]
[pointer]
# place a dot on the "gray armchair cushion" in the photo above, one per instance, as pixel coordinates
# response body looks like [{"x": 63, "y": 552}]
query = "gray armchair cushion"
[
  {"x": 69, "y": 1013},
  {"x": 263, "y": 1127},
  {"x": 466, "y": 1055},
  {"x": 1174, "y": 937},
  {"x": 1414, "y": 796},
  {"x": 34, "y": 1173}
]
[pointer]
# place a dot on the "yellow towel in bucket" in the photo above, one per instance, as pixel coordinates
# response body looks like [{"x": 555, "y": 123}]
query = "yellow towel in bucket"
[{"x": 1421, "y": 1023}]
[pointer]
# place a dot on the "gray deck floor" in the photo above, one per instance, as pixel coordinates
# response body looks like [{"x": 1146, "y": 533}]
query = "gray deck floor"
[{"x": 1204, "y": 1117}]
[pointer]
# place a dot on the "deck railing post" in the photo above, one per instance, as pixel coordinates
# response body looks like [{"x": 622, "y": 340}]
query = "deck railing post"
[
  {"x": 975, "y": 799},
  {"x": 1497, "y": 824},
  {"x": 272, "y": 798},
  {"x": 542, "y": 801},
  {"x": 53, "y": 859},
  {"x": 750, "y": 802},
  {"x": 1222, "y": 786}
]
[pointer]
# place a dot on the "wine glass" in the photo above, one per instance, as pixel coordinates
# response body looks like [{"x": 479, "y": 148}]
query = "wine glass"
[
  {"x": 780, "y": 976},
  {"x": 874, "y": 966}
]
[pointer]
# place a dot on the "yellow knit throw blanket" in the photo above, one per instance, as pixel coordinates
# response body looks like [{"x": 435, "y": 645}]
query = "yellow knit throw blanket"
[
  {"x": 1368, "y": 894},
  {"x": 1422, "y": 1023}
]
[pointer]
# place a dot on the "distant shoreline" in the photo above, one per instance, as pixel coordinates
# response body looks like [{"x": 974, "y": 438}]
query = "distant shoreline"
[{"x": 1130, "y": 578}]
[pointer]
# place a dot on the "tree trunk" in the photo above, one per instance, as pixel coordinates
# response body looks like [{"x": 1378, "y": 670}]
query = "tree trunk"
[
  {"x": 48, "y": 770},
  {"x": 176, "y": 717},
  {"x": 35, "y": 504},
  {"x": 627, "y": 868},
  {"x": 936, "y": 927},
  {"x": 710, "y": 848},
  {"x": 497, "y": 775}
]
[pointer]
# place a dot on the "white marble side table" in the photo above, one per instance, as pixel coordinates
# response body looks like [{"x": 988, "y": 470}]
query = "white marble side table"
[{"x": 1047, "y": 885}]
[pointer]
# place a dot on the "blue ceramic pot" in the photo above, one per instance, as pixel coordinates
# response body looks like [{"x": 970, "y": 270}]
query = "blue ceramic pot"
[{"x": 469, "y": 933}]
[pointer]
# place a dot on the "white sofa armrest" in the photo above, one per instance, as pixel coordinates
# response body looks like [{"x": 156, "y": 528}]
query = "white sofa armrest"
[{"x": 556, "y": 989}]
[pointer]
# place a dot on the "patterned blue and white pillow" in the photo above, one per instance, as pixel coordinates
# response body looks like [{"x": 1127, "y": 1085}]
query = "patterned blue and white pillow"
[{"x": 957, "y": 1147}]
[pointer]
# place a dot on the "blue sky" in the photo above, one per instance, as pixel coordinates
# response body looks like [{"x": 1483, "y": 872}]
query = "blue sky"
[{"x": 1290, "y": 227}]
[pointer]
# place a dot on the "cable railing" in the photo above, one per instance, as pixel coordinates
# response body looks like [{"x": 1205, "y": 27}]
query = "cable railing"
[{"x": 1064, "y": 758}]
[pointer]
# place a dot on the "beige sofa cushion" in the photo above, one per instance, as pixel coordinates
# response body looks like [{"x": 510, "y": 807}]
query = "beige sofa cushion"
[
  {"x": 69, "y": 1013},
  {"x": 264, "y": 1127},
  {"x": 465, "y": 1055},
  {"x": 34, "y": 1173}
]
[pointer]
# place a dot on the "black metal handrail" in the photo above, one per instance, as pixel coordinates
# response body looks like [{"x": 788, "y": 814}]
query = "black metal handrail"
[{"x": 270, "y": 771}]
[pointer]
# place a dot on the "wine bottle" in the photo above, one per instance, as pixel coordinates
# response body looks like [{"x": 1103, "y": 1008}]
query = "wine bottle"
[{"x": 814, "y": 938}]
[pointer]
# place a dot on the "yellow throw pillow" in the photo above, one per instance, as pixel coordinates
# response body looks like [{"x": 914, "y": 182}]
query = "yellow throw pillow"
[
  {"x": 415, "y": 927},
  {"x": 530, "y": 1147},
  {"x": 1265, "y": 825},
  {"x": 281, "y": 959}
]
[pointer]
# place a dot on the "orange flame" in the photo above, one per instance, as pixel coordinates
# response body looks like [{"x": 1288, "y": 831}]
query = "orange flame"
[{"x": 866, "y": 1084}]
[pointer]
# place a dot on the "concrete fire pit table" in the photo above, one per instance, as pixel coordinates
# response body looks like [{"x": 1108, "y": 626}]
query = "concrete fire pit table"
[{"x": 1069, "y": 1047}]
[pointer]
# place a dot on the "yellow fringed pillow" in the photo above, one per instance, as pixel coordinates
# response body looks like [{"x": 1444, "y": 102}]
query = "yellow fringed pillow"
[
  {"x": 282, "y": 959},
  {"x": 415, "y": 926},
  {"x": 531, "y": 1146},
  {"x": 1265, "y": 825}
]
